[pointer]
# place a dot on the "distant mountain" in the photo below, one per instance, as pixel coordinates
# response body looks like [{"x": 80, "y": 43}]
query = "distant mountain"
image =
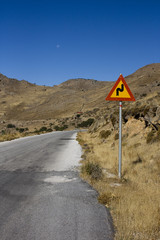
[
  {"x": 21, "y": 100},
  {"x": 82, "y": 84}
]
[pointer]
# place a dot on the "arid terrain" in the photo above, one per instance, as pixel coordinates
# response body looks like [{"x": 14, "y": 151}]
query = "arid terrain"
[
  {"x": 27, "y": 105},
  {"x": 134, "y": 200}
]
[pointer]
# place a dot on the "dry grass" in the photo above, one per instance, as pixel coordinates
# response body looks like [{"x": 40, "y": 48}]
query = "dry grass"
[
  {"x": 134, "y": 200},
  {"x": 15, "y": 135},
  {"x": 9, "y": 136}
]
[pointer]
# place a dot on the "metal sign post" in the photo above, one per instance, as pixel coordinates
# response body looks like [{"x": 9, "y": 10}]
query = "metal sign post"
[
  {"x": 120, "y": 139},
  {"x": 120, "y": 92}
]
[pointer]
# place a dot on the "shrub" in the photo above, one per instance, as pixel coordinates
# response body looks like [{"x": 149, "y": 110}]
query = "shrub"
[
  {"x": 146, "y": 110},
  {"x": 3, "y": 132},
  {"x": 92, "y": 169},
  {"x": 158, "y": 134},
  {"x": 157, "y": 137},
  {"x": 21, "y": 130},
  {"x": 113, "y": 120},
  {"x": 58, "y": 128},
  {"x": 143, "y": 95},
  {"x": 49, "y": 130},
  {"x": 150, "y": 137},
  {"x": 65, "y": 126},
  {"x": 105, "y": 134},
  {"x": 43, "y": 129},
  {"x": 86, "y": 123},
  {"x": 106, "y": 198},
  {"x": 136, "y": 112},
  {"x": 116, "y": 137},
  {"x": 10, "y": 125}
]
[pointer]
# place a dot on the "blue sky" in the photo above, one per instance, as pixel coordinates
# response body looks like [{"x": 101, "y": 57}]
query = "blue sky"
[{"x": 48, "y": 42}]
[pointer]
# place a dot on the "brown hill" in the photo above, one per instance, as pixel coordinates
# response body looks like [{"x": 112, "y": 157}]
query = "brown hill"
[
  {"x": 21, "y": 100},
  {"x": 82, "y": 84}
]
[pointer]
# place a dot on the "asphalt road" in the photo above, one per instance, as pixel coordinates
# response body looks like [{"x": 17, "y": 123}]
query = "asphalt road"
[{"x": 41, "y": 194}]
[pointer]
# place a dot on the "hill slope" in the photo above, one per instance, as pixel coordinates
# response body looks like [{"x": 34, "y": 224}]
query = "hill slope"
[{"x": 22, "y": 100}]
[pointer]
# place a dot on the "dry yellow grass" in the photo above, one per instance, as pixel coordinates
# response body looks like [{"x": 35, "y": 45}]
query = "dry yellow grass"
[
  {"x": 134, "y": 200},
  {"x": 10, "y": 136}
]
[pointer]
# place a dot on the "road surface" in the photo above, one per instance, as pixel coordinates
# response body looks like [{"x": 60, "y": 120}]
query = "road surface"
[{"x": 41, "y": 194}]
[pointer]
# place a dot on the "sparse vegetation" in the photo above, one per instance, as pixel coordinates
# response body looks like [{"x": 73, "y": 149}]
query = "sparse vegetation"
[
  {"x": 136, "y": 112},
  {"x": 116, "y": 136},
  {"x": 10, "y": 125},
  {"x": 150, "y": 137},
  {"x": 21, "y": 130},
  {"x": 60, "y": 128},
  {"x": 106, "y": 198},
  {"x": 49, "y": 130},
  {"x": 153, "y": 136},
  {"x": 43, "y": 129},
  {"x": 86, "y": 123},
  {"x": 3, "y": 132},
  {"x": 92, "y": 169},
  {"x": 113, "y": 119},
  {"x": 105, "y": 134}
]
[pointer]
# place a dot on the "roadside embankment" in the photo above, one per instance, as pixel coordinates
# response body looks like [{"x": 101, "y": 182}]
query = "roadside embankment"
[{"x": 134, "y": 200}]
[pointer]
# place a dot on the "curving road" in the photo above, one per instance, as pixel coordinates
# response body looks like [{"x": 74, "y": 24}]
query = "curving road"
[{"x": 41, "y": 194}]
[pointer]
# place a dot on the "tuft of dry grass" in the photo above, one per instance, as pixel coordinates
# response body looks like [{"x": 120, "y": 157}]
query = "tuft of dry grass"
[
  {"x": 92, "y": 169},
  {"x": 134, "y": 200},
  {"x": 9, "y": 136}
]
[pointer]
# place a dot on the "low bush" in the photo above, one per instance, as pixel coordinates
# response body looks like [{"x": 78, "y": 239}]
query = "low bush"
[
  {"x": 43, "y": 129},
  {"x": 49, "y": 130},
  {"x": 153, "y": 136},
  {"x": 10, "y": 125},
  {"x": 3, "y": 132},
  {"x": 136, "y": 112},
  {"x": 21, "y": 130},
  {"x": 116, "y": 137},
  {"x": 106, "y": 198},
  {"x": 57, "y": 128},
  {"x": 158, "y": 134},
  {"x": 61, "y": 128},
  {"x": 113, "y": 120},
  {"x": 92, "y": 169},
  {"x": 105, "y": 134},
  {"x": 86, "y": 123}
]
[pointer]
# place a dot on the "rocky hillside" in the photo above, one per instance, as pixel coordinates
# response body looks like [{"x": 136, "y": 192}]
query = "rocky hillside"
[{"x": 21, "y": 100}]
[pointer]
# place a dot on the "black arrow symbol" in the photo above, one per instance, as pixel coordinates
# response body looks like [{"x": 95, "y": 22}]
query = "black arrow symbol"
[{"x": 119, "y": 90}]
